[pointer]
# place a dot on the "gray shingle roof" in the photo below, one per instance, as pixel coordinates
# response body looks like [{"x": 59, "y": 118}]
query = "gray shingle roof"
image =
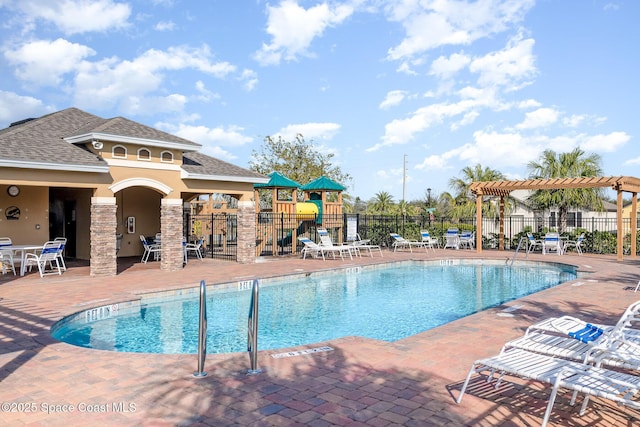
[{"x": 42, "y": 141}]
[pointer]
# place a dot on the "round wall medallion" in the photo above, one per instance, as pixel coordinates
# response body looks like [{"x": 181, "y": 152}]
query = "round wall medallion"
[{"x": 13, "y": 190}]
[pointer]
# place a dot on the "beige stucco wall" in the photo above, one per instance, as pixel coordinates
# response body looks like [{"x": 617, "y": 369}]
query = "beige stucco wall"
[{"x": 32, "y": 227}]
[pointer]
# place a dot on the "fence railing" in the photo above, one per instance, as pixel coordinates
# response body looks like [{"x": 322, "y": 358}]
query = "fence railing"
[{"x": 277, "y": 233}]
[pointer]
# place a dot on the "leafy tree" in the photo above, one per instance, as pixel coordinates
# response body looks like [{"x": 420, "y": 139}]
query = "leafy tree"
[
  {"x": 382, "y": 203},
  {"x": 574, "y": 164},
  {"x": 298, "y": 160},
  {"x": 465, "y": 201}
]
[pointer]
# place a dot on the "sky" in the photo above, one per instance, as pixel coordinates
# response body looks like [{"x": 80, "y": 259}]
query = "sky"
[{"x": 403, "y": 93}]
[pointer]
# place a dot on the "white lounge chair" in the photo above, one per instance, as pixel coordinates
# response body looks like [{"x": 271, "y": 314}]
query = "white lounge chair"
[
  {"x": 452, "y": 239},
  {"x": 429, "y": 241},
  {"x": 63, "y": 243},
  {"x": 310, "y": 248},
  {"x": 552, "y": 243},
  {"x": 365, "y": 244},
  {"x": 401, "y": 242},
  {"x": 577, "y": 244},
  {"x": 6, "y": 255},
  {"x": 561, "y": 373},
  {"x": 328, "y": 247}
]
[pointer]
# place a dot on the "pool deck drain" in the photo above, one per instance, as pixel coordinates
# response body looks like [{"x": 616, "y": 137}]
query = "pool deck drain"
[
  {"x": 361, "y": 382},
  {"x": 301, "y": 352}
]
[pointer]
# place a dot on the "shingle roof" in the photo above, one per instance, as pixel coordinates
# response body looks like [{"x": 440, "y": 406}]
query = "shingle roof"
[{"x": 42, "y": 141}]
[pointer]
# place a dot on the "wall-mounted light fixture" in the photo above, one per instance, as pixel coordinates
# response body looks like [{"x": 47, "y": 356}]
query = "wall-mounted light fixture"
[{"x": 97, "y": 144}]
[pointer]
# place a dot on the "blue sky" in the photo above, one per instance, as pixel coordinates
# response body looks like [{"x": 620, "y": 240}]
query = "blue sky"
[{"x": 447, "y": 84}]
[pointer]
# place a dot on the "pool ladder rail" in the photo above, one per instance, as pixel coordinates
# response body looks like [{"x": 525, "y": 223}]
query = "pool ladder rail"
[{"x": 522, "y": 239}]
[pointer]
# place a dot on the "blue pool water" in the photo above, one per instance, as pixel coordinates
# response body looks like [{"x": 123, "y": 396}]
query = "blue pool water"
[{"x": 385, "y": 303}]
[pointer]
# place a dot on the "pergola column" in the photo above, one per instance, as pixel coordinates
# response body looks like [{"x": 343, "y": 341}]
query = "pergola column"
[{"x": 634, "y": 224}]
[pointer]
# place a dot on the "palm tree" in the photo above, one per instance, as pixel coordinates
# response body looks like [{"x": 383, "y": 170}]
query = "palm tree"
[
  {"x": 566, "y": 165},
  {"x": 465, "y": 205},
  {"x": 382, "y": 202}
]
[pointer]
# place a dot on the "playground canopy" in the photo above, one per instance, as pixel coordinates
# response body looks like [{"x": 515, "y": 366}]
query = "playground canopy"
[{"x": 503, "y": 188}]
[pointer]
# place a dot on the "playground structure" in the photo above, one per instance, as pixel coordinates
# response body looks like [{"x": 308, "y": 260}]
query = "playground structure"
[{"x": 287, "y": 218}]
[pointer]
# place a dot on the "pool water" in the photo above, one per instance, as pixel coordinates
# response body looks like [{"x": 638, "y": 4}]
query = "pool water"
[{"x": 386, "y": 303}]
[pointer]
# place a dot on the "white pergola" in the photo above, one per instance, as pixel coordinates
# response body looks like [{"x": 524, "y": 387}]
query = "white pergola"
[{"x": 502, "y": 189}]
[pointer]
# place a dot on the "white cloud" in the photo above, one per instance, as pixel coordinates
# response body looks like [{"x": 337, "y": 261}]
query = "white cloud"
[
  {"x": 446, "y": 67},
  {"x": 511, "y": 68},
  {"x": 315, "y": 131},
  {"x": 44, "y": 62},
  {"x": 14, "y": 107},
  {"x": 105, "y": 83},
  {"x": 250, "y": 79},
  {"x": 293, "y": 28},
  {"x": 429, "y": 25},
  {"x": 75, "y": 16},
  {"x": 147, "y": 106},
  {"x": 542, "y": 117},
  {"x": 604, "y": 143},
  {"x": 632, "y": 162},
  {"x": 393, "y": 98},
  {"x": 165, "y": 26},
  {"x": 212, "y": 139}
]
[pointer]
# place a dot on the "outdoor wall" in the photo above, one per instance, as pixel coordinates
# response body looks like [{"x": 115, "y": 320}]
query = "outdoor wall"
[
  {"x": 144, "y": 205},
  {"x": 32, "y": 225}
]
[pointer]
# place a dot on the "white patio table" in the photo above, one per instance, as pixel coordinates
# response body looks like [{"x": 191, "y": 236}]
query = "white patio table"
[{"x": 23, "y": 249}]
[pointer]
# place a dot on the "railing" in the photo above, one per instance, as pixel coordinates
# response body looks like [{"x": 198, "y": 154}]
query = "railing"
[
  {"x": 202, "y": 331},
  {"x": 515, "y": 254},
  {"x": 252, "y": 330}
]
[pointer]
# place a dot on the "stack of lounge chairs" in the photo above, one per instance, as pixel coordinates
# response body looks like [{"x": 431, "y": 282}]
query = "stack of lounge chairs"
[{"x": 570, "y": 353}]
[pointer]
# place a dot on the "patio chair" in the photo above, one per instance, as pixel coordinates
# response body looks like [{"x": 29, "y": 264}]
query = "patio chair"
[
  {"x": 311, "y": 248},
  {"x": 149, "y": 248},
  {"x": 467, "y": 239},
  {"x": 360, "y": 244},
  {"x": 533, "y": 243},
  {"x": 452, "y": 239},
  {"x": 196, "y": 248},
  {"x": 552, "y": 243},
  {"x": 429, "y": 241},
  {"x": 48, "y": 256},
  {"x": 63, "y": 241},
  {"x": 616, "y": 386},
  {"x": 577, "y": 244},
  {"x": 401, "y": 242},
  {"x": 6, "y": 255},
  {"x": 328, "y": 247}
]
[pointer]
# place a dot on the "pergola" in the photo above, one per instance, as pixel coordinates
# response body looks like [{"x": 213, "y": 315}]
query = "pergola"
[{"x": 503, "y": 188}]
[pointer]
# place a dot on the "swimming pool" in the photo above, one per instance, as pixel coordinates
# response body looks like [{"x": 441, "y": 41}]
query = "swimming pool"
[{"x": 385, "y": 302}]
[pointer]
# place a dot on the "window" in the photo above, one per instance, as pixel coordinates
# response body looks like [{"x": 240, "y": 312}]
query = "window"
[
  {"x": 119, "y": 151},
  {"x": 166, "y": 157},
  {"x": 144, "y": 154}
]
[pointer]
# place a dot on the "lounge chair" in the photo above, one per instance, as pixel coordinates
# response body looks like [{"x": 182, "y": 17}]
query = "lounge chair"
[
  {"x": 577, "y": 244},
  {"x": 310, "y": 248},
  {"x": 401, "y": 242},
  {"x": 452, "y": 239},
  {"x": 6, "y": 255},
  {"x": 429, "y": 241},
  {"x": 561, "y": 373},
  {"x": 365, "y": 244},
  {"x": 533, "y": 243},
  {"x": 328, "y": 247},
  {"x": 552, "y": 243}
]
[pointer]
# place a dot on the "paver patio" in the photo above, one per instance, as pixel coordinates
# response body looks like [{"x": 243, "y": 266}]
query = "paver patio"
[{"x": 362, "y": 382}]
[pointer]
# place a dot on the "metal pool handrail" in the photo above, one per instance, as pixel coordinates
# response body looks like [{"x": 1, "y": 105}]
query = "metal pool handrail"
[
  {"x": 252, "y": 330},
  {"x": 202, "y": 331}
]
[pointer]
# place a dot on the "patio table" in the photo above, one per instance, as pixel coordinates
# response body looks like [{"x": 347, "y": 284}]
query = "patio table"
[{"x": 23, "y": 249}]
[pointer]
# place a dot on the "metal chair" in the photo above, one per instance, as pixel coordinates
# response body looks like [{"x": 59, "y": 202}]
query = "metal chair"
[{"x": 48, "y": 255}]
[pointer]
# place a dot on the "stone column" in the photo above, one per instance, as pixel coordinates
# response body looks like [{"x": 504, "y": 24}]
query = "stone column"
[
  {"x": 171, "y": 229},
  {"x": 103, "y": 237},
  {"x": 246, "y": 232}
]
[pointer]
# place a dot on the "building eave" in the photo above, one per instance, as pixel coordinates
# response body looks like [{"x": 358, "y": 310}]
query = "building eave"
[
  {"x": 99, "y": 136},
  {"x": 53, "y": 166}
]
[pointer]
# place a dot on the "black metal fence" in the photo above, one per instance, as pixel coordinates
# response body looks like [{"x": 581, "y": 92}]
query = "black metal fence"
[{"x": 277, "y": 233}]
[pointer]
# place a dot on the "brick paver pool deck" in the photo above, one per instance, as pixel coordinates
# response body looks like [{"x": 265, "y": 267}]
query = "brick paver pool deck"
[{"x": 362, "y": 382}]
